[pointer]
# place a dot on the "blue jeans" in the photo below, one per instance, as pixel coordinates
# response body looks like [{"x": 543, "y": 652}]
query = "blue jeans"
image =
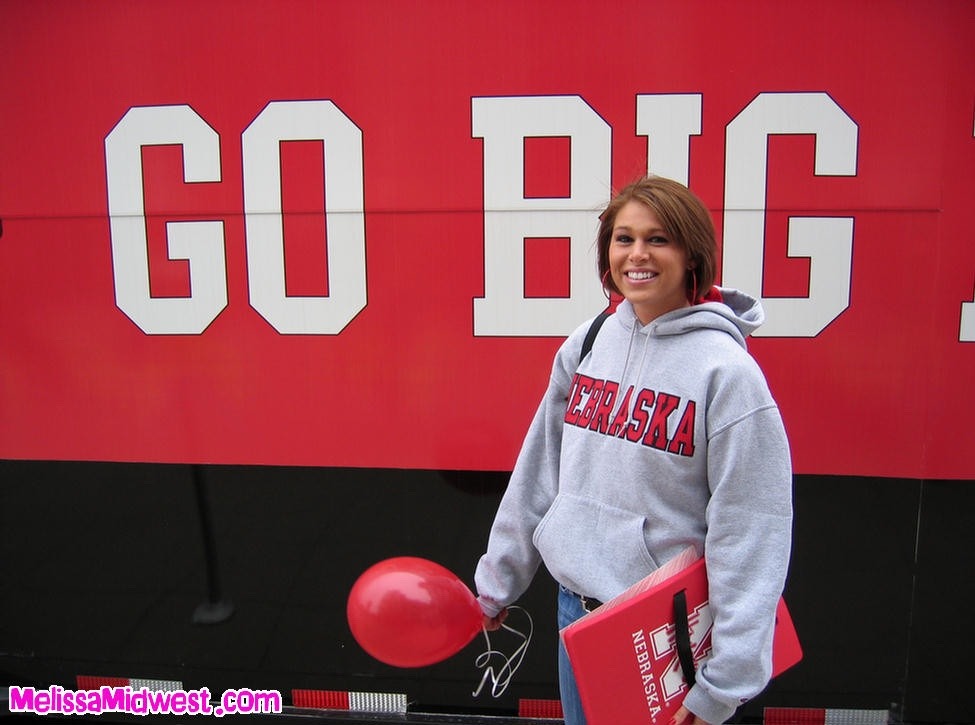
[{"x": 570, "y": 609}]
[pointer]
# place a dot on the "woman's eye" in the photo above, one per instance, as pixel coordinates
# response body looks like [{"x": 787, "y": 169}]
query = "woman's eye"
[
  {"x": 623, "y": 238},
  {"x": 658, "y": 240}
]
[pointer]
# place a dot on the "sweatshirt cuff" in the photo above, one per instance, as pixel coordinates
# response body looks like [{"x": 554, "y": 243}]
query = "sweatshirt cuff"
[
  {"x": 706, "y": 707},
  {"x": 489, "y": 608}
]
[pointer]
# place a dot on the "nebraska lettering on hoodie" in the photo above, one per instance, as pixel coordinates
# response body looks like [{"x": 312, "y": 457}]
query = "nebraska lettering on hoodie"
[{"x": 664, "y": 436}]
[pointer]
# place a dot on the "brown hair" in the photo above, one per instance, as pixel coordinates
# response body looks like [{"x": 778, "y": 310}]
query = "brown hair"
[{"x": 685, "y": 219}]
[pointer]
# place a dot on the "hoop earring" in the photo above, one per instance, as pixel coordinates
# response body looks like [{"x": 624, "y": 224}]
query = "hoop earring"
[
  {"x": 603, "y": 283},
  {"x": 694, "y": 287}
]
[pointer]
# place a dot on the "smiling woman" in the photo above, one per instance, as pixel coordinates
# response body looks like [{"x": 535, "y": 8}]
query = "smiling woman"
[
  {"x": 328, "y": 254},
  {"x": 647, "y": 266},
  {"x": 657, "y": 247},
  {"x": 607, "y": 490}
]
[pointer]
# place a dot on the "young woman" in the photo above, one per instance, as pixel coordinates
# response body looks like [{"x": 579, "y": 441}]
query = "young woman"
[{"x": 664, "y": 436}]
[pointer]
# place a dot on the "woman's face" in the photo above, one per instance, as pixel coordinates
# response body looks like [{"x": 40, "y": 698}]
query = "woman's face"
[{"x": 648, "y": 267}]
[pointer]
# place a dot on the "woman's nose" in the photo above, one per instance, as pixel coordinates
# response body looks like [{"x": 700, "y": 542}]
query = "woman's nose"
[{"x": 639, "y": 250}]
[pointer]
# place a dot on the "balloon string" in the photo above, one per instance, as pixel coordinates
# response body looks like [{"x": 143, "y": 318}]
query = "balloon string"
[{"x": 501, "y": 677}]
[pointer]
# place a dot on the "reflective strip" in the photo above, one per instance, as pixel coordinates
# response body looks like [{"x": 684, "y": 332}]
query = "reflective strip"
[
  {"x": 857, "y": 717},
  {"x": 354, "y": 701},
  {"x": 92, "y": 682},
  {"x": 320, "y": 699},
  {"x": 377, "y": 702},
  {"x": 540, "y": 709},
  {"x": 794, "y": 716},
  {"x": 823, "y": 716},
  {"x": 157, "y": 685}
]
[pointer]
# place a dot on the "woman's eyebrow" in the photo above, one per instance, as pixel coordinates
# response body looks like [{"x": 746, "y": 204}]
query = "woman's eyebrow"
[{"x": 652, "y": 231}]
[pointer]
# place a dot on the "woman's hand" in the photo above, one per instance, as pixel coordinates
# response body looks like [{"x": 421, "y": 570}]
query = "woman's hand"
[
  {"x": 494, "y": 623},
  {"x": 683, "y": 716}
]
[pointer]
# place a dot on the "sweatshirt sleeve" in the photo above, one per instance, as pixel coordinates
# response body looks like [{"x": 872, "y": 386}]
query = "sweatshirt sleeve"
[
  {"x": 747, "y": 547},
  {"x": 511, "y": 560}
]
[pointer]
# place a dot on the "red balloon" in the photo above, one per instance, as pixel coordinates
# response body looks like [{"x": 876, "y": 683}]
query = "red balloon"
[{"x": 412, "y": 612}]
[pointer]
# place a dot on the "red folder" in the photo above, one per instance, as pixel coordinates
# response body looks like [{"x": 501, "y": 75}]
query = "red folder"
[{"x": 624, "y": 653}]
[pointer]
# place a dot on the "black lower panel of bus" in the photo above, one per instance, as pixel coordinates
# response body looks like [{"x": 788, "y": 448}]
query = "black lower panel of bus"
[{"x": 230, "y": 577}]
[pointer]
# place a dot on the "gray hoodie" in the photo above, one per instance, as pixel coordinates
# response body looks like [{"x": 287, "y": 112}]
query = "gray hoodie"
[{"x": 664, "y": 436}]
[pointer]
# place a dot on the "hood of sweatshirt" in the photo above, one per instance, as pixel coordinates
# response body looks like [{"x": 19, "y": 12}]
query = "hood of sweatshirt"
[{"x": 738, "y": 314}]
